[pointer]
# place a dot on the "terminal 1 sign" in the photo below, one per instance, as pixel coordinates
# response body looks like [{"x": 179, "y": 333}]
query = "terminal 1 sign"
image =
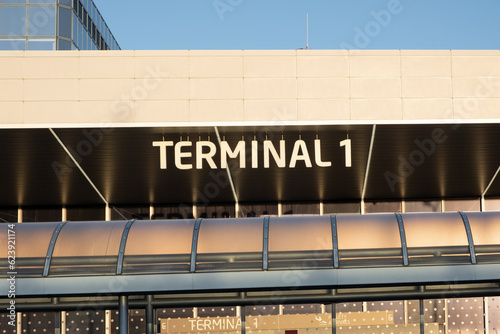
[{"x": 204, "y": 152}]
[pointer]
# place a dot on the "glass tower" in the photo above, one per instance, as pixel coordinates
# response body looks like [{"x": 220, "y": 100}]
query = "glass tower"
[{"x": 53, "y": 25}]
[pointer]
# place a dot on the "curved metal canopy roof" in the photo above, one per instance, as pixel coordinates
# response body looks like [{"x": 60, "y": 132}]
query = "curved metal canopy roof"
[{"x": 202, "y": 254}]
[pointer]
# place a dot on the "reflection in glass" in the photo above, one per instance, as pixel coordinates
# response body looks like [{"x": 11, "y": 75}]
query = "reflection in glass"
[
  {"x": 13, "y": 20},
  {"x": 42, "y": 44},
  {"x": 41, "y": 21}
]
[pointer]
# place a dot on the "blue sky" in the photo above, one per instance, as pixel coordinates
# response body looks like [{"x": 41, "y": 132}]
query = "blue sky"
[{"x": 281, "y": 24}]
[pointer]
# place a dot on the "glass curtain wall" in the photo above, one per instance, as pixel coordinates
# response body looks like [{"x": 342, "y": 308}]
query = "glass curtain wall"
[{"x": 53, "y": 25}]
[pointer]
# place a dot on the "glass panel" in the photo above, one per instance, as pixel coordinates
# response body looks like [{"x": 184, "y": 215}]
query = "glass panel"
[
  {"x": 168, "y": 248},
  {"x": 51, "y": 214},
  {"x": 215, "y": 211},
  {"x": 485, "y": 227},
  {"x": 65, "y": 22},
  {"x": 338, "y": 208},
  {"x": 8, "y": 215},
  {"x": 38, "y": 322},
  {"x": 300, "y": 242},
  {"x": 181, "y": 211},
  {"x": 42, "y": 21},
  {"x": 66, "y": 2},
  {"x": 369, "y": 240},
  {"x": 436, "y": 238},
  {"x": 13, "y": 1},
  {"x": 85, "y": 322},
  {"x": 32, "y": 242},
  {"x": 136, "y": 322},
  {"x": 5, "y": 327},
  {"x": 87, "y": 248},
  {"x": 258, "y": 210},
  {"x": 130, "y": 212},
  {"x": 462, "y": 205},
  {"x": 435, "y": 316},
  {"x": 85, "y": 213},
  {"x": 423, "y": 206},
  {"x": 42, "y": 1},
  {"x": 398, "y": 316},
  {"x": 493, "y": 314},
  {"x": 13, "y": 44},
  {"x": 64, "y": 45},
  {"x": 42, "y": 44},
  {"x": 465, "y": 315},
  {"x": 300, "y": 209},
  {"x": 293, "y": 319},
  {"x": 492, "y": 204},
  {"x": 230, "y": 244},
  {"x": 11, "y": 20},
  {"x": 380, "y": 207},
  {"x": 173, "y": 313},
  {"x": 209, "y": 320}
]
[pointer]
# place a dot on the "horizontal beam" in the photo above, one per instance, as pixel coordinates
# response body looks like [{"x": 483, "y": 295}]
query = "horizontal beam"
[
  {"x": 415, "y": 293},
  {"x": 251, "y": 280}
]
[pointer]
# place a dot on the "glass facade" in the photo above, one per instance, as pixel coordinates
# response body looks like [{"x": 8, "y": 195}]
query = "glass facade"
[
  {"x": 53, "y": 25},
  {"x": 436, "y": 316}
]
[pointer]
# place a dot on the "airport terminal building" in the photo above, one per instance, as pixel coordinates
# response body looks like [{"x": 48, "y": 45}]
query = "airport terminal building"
[{"x": 240, "y": 191}]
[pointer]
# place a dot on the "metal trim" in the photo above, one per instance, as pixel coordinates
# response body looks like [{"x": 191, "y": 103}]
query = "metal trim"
[
  {"x": 194, "y": 246},
  {"x": 335, "y": 242},
  {"x": 472, "y": 251},
  {"x": 265, "y": 244},
  {"x": 402, "y": 234},
  {"x": 123, "y": 243},
  {"x": 50, "y": 250}
]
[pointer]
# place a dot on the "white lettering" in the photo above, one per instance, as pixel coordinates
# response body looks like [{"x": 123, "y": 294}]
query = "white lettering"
[
  {"x": 255, "y": 154},
  {"x": 200, "y": 156},
  {"x": 317, "y": 155},
  {"x": 163, "y": 151},
  {"x": 347, "y": 144},
  {"x": 179, "y": 155},
  {"x": 300, "y": 145},
  {"x": 279, "y": 159},
  {"x": 226, "y": 151}
]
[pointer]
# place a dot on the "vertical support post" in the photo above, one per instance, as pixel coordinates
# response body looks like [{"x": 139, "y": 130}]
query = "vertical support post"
[
  {"x": 236, "y": 210},
  {"x": 335, "y": 245},
  {"x": 107, "y": 321},
  {"x": 334, "y": 319},
  {"x": 19, "y": 214},
  {"x": 151, "y": 211},
  {"x": 280, "y": 209},
  {"x": 483, "y": 204},
  {"x": 265, "y": 244},
  {"x": 107, "y": 213},
  {"x": 422, "y": 319},
  {"x": 243, "y": 318},
  {"x": 19, "y": 322},
  {"x": 64, "y": 214},
  {"x": 486, "y": 313},
  {"x": 123, "y": 315},
  {"x": 195, "y": 212},
  {"x": 321, "y": 208},
  {"x": 150, "y": 326},
  {"x": 446, "y": 314},
  {"x": 57, "y": 317},
  {"x": 362, "y": 206},
  {"x": 63, "y": 322}
]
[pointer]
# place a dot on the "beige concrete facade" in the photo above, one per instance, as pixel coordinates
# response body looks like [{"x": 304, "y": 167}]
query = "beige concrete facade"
[{"x": 114, "y": 88}]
